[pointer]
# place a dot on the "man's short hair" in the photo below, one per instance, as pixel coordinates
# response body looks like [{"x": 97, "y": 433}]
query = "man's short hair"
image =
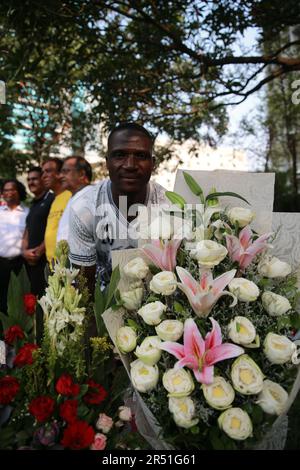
[
  {"x": 82, "y": 164},
  {"x": 19, "y": 186},
  {"x": 35, "y": 169},
  {"x": 58, "y": 162},
  {"x": 130, "y": 126}
]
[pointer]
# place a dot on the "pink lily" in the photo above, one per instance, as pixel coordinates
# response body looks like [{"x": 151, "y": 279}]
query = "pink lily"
[
  {"x": 204, "y": 295},
  {"x": 200, "y": 355},
  {"x": 163, "y": 253},
  {"x": 242, "y": 249}
]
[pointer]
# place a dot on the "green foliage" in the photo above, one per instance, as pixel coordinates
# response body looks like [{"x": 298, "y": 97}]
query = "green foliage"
[
  {"x": 16, "y": 314},
  {"x": 105, "y": 299},
  {"x": 194, "y": 186}
]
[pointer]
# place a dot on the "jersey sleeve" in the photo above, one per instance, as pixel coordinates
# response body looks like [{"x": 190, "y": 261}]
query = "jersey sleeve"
[{"x": 81, "y": 233}]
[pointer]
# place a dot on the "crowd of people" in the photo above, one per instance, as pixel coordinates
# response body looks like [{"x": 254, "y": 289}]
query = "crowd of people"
[{"x": 66, "y": 205}]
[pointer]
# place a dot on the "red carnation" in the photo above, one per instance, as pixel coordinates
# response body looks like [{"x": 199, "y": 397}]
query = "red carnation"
[
  {"x": 24, "y": 355},
  {"x": 66, "y": 386},
  {"x": 13, "y": 333},
  {"x": 9, "y": 387},
  {"x": 68, "y": 410},
  {"x": 29, "y": 303},
  {"x": 96, "y": 393},
  {"x": 78, "y": 435},
  {"x": 41, "y": 408}
]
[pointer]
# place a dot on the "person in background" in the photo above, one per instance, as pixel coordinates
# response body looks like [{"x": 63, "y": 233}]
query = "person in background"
[
  {"x": 52, "y": 180},
  {"x": 12, "y": 225},
  {"x": 33, "y": 245},
  {"x": 76, "y": 176}
]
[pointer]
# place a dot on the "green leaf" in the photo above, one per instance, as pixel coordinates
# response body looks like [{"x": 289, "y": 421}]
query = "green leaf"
[
  {"x": 295, "y": 320},
  {"x": 178, "y": 307},
  {"x": 194, "y": 186},
  {"x": 257, "y": 414},
  {"x": 114, "y": 281},
  {"x": 83, "y": 389},
  {"x": 215, "y": 195},
  {"x": 283, "y": 322},
  {"x": 215, "y": 440},
  {"x": 195, "y": 430},
  {"x": 132, "y": 324},
  {"x": 176, "y": 199}
]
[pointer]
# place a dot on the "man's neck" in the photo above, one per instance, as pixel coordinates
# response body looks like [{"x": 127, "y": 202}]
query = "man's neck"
[
  {"x": 132, "y": 198},
  {"x": 38, "y": 196},
  {"x": 58, "y": 190},
  {"x": 74, "y": 191},
  {"x": 12, "y": 205}
]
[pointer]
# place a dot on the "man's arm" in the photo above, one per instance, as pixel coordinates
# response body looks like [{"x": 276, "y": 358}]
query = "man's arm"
[{"x": 29, "y": 254}]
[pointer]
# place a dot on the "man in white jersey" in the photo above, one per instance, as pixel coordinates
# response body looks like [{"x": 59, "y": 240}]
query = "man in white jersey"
[{"x": 99, "y": 221}]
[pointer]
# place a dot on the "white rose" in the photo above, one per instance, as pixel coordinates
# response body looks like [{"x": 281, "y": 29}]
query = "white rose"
[
  {"x": 149, "y": 351},
  {"x": 136, "y": 269},
  {"x": 178, "y": 382},
  {"x": 183, "y": 410},
  {"x": 274, "y": 268},
  {"x": 241, "y": 216},
  {"x": 144, "y": 378},
  {"x": 278, "y": 349},
  {"x": 236, "y": 423},
  {"x": 219, "y": 394},
  {"x": 244, "y": 290},
  {"x": 126, "y": 339},
  {"x": 168, "y": 226},
  {"x": 273, "y": 398},
  {"x": 151, "y": 313},
  {"x": 246, "y": 376},
  {"x": 133, "y": 298},
  {"x": 241, "y": 331},
  {"x": 125, "y": 413},
  {"x": 170, "y": 330},
  {"x": 209, "y": 253},
  {"x": 275, "y": 304},
  {"x": 164, "y": 283}
]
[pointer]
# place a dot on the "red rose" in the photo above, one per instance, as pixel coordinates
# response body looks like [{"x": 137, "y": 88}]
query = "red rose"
[
  {"x": 95, "y": 394},
  {"x": 29, "y": 303},
  {"x": 68, "y": 410},
  {"x": 24, "y": 355},
  {"x": 78, "y": 435},
  {"x": 9, "y": 387},
  {"x": 41, "y": 408},
  {"x": 13, "y": 333},
  {"x": 66, "y": 386}
]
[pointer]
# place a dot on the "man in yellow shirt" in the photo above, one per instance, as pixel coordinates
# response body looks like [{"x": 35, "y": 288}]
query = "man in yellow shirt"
[{"x": 52, "y": 180}]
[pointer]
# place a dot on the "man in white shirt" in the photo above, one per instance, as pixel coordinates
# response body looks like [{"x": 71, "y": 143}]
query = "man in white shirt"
[
  {"x": 76, "y": 176},
  {"x": 12, "y": 226},
  {"x": 98, "y": 222}
]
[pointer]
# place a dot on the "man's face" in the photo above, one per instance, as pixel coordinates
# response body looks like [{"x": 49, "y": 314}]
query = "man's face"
[
  {"x": 10, "y": 194},
  {"x": 70, "y": 177},
  {"x": 50, "y": 175},
  {"x": 35, "y": 183},
  {"x": 129, "y": 161}
]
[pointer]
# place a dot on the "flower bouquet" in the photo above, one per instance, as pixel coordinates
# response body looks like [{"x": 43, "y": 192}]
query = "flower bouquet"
[
  {"x": 63, "y": 394},
  {"x": 206, "y": 327}
]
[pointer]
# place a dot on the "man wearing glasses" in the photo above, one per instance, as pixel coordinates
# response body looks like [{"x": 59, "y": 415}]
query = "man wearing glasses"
[{"x": 76, "y": 176}]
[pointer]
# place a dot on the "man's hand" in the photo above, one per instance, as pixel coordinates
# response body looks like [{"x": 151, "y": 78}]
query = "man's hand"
[{"x": 31, "y": 256}]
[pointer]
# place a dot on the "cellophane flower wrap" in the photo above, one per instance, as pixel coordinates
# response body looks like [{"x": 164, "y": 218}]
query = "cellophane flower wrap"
[{"x": 211, "y": 337}]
